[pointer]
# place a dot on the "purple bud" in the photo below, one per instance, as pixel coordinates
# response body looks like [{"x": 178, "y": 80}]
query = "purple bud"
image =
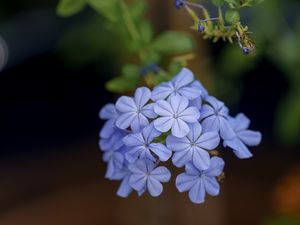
[
  {"x": 178, "y": 4},
  {"x": 201, "y": 28},
  {"x": 246, "y": 50}
]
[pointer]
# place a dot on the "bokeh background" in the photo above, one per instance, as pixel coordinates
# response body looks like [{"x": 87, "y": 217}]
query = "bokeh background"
[{"x": 52, "y": 85}]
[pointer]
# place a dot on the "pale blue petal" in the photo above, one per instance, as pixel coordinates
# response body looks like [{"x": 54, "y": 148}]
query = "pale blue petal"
[
  {"x": 108, "y": 128},
  {"x": 139, "y": 167},
  {"x": 125, "y": 120},
  {"x": 197, "y": 192},
  {"x": 195, "y": 132},
  {"x": 214, "y": 102},
  {"x": 141, "y": 96},
  {"x": 179, "y": 128},
  {"x": 216, "y": 167},
  {"x": 197, "y": 102},
  {"x": 139, "y": 122},
  {"x": 178, "y": 104},
  {"x": 190, "y": 115},
  {"x": 137, "y": 181},
  {"x": 133, "y": 153},
  {"x": 110, "y": 169},
  {"x": 126, "y": 104},
  {"x": 185, "y": 182},
  {"x": 181, "y": 158},
  {"x": 211, "y": 185},
  {"x": 198, "y": 85},
  {"x": 226, "y": 131},
  {"x": 162, "y": 91},
  {"x": 239, "y": 148},
  {"x": 208, "y": 140},
  {"x": 249, "y": 137},
  {"x": 201, "y": 159},
  {"x": 161, "y": 151},
  {"x": 177, "y": 144},
  {"x": 124, "y": 189},
  {"x": 240, "y": 122},
  {"x": 206, "y": 111},
  {"x": 192, "y": 170},
  {"x": 134, "y": 140},
  {"x": 163, "y": 108},
  {"x": 108, "y": 111},
  {"x": 154, "y": 187},
  {"x": 149, "y": 133},
  {"x": 148, "y": 111},
  {"x": 211, "y": 124},
  {"x": 189, "y": 92},
  {"x": 183, "y": 78},
  {"x": 163, "y": 124},
  {"x": 161, "y": 174}
]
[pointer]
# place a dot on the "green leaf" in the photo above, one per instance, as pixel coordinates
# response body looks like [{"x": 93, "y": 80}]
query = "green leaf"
[
  {"x": 107, "y": 8},
  {"x": 67, "y": 8},
  {"x": 232, "y": 16},
  {"x": 127, "y": 82},
  {"x": 172, "y": 42},
  {"x": 218, "y": 3},
  {"x": 233, "y": 3},
  {"x": 137, "y": 9}
]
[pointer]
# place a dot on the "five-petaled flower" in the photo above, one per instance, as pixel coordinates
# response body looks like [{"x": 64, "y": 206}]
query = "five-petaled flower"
[
  {"x": 140, "y": 146},
  {"x": 214, "y": 117},
  {"x": 243, "y": 138},
  {"x": 175, "y": 115},
  {"x": 134, "y": 111},
  {"x": 109, "y": 113},
  {"x": 146, "y": 177},
  {"x": 193, "y": 147},
  {"x": 198, "y": 182},
  {"x": 182, "y": 84}
]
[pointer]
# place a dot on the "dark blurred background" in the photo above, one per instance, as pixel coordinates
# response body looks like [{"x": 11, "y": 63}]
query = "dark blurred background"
[{"x": 53, "y": 72}]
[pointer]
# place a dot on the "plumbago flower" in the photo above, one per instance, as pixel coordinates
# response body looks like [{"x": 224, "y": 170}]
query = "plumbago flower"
[{"x": 176, "y": 118}]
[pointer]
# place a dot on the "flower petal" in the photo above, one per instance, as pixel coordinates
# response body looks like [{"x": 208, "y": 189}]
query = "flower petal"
[
  {"x": 149, "y": 133},
  {"x": 139, "y": 122},
  {"x": 161, "y": 174},
  {"x": 126, "y": 104},
  {"x": 163, "y": 124},
  {"x": 183, "y": 78},
  {"x": 154, "y": 187},
  {"x": 185, "y": 182},
  {"x": 211, "y": 123},
  {"x": 216, "y": 167},
  {"x": 137, "y": 181},
  {"x": 163, "y": 108},
  {"x": 197, "y": 192},
  {"x": 134, "y": 153},
  {"x": 181, "y": 158},
  {"x": 178, "y": 104},
  {"x": 179, "y": 128},
  {"x": 240, "y": 122},
  {"x": 148, "y": 111},
  {"x": 198, "y": 85},
  {"x": 239, "y": 148},
  {"x": 141, "y": 96},
  {"x": 249, "y": 137},
  {"x": 108, "y": 111},
  {"x": 108, "y": 128},
  {"x": 124, "y": 189},
  {"x": 177, "y": 144},
  {"x": 161, "y": 151},
  {"x": 134, "y": 140},
  {"x": 189, "y": 92},
  {"x": 208, "y": 140},
  {"x": 190, "y": 115},
  {"x": 195, "y": 132},
  {"x": 226, "y": 131},
  {"x": 192, "y": 170},
  {"x": 206, "y": 111},
  {"x": 125, "y": 120},
  {"x": 201, "y": 159},
  {"x": 162, "y": 91},
  {"x": 211, "y": 185}
]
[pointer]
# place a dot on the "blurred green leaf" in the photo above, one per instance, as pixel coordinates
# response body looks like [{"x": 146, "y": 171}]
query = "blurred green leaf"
[
  {"x": 172, "y": 42},
  {"x": 218, "y": 2},
  {"x": 127, "y": 82},
  {"x": 232, "y": 16},
  {"x": 70, "y": 7},
  {"x": 137, "y": 9},
  {"x": 107, "y": 8}
]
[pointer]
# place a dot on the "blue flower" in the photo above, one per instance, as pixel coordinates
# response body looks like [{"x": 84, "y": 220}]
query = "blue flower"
[
  {"x": 214, "y": 117},
  {"x": 109, "y": 113},
  {"x": 175, "y": 115},
  {"x": 141, "y": 146},
  {"x": 178, "y": 3},
  {"x": 134, "y": 111},
  {"x": 146, "y": 177},
  {"x": 182, "y": 84},
  {"x": 113, "y": 152},
  {"x": 198, "y": 182},
  {"x": 193, "y": 147},
  {"x": 243, "y": 138}
]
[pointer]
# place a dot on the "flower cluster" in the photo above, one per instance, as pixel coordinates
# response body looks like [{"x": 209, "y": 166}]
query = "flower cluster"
[{"x": 178, "y": 120}]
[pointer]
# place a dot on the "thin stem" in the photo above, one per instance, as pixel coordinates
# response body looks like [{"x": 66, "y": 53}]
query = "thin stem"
[{"x": 129, "y": 23}]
